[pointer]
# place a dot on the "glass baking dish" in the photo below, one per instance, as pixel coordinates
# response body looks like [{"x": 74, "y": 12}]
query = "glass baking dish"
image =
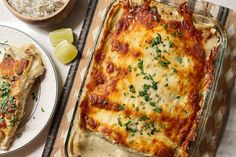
[{"x": 201, "y": 12}]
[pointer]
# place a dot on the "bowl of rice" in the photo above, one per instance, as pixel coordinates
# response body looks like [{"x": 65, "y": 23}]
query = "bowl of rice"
[{"x": 40, "y": 11}]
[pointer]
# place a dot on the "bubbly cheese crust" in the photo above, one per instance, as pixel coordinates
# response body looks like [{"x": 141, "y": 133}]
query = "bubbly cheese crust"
[
  {"x": 19, "y": 69},
  {"x": 149, "y": 77}
]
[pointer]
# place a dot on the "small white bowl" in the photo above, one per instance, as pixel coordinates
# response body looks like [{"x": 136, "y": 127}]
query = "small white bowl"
[{"x": 53, "y": 18}]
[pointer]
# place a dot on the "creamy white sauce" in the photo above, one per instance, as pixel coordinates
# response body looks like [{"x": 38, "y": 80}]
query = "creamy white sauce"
[{"x": 90, "y": 145}]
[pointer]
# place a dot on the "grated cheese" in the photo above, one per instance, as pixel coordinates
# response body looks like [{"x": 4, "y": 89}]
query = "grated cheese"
[{"x": 36, "y": 8}]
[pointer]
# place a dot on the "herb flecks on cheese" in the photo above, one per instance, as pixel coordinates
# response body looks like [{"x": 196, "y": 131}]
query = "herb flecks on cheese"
[
  {"x": 19, "y": 68},
  {"x": 150, "y": 68}
]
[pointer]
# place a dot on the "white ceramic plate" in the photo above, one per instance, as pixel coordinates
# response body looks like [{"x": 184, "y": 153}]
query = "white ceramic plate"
[{"x": 42, "y": 99}]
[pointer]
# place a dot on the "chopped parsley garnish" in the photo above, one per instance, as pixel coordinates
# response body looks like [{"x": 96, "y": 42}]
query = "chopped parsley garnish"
[
  {"x": 151, "y": 127},
  {"x": 34, "y": 97},
  {"x": 129, "y": 68},
  {"x": 130, "y": 129},
  {"x": 7, "y": 103},
  {"x": 146, "y": 86},
  {"x": 18, "y": 135},
  {"x": 174, "y": 70},
  {"x": 174, "y": 34},
  {"x": 164, "y": 63},
  {"x": 157, "y": 109},
  {"x": 140, "y": 64},
  {"x": 121, "y": 107},
  {"x": 177, "y": 34},
  {"x": 132, "y": 96},
  {"x": 158, "y": 50},
  {"x": 180, "y": 60},
  {"x": 146, "y": 97},
  {"x": 13, "y": 120},
  {"x": 154, "y": 85},
  {"x": 143, "y": 118},
  {"x": 156, "y": 40},
  {"x": 177, "y": 97},
  {"x": 42, "y": 109},
  {"x": 127, "y": 123},
  {"x": 12, "y": 78},
  {"x": 132, "y": 89},
  {"x": 4, "y": 77},
  {"x": 119, "y": 122},
  {"x": 153, "y": 104},
  {"x": 146, "y": 77},
  {"x": 143, "y": 93},
  {"x": 171, "y": 44}
]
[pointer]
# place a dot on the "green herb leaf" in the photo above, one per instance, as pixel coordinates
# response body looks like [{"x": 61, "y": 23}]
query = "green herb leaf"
[
  {"x": 158, "y": 50},
  {"x": 13, "y": 120},
  {"x": 153, "y": 104},
  {"x": 140, "y": 64},
  {"x": 146, "y": 77},
  {"x": 132, "y": 89},
  {"x": 119, "y": 122},
  {"x": 129, "y": 68},
  {"x": 171, "y": 44},
  {"x": 180, "y": 60},
  {"x": 146, "y": 86},
  {"x": 177, "y": 97},
  {"x": 177, "y": 34},
  {"x": 12, "y": 78},
  {"x": 18, "y": 135},
  {"x": 146, "y": 97},
  {"x": 42, "y": 109},
  {"x": 157, "y": 109},
  {"x": 174, "y": 70},
  {"x": 142, "y": 93},
  {"x": 164, "y": 63},
  {"x": 121, "y": 107},
  {"x": 131, "y": 129},
  {"x": 154, "y": 85},
  {"x": 174, "y": 34},
  {"x": 156, "y": 40},
  {"x": 143, "y": 118},
  {"x": 34, "y": 97}
]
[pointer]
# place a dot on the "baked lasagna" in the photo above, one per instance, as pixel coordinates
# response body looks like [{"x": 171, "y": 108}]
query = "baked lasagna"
[
  {"x": 19, "y": 68},
  {"x": 151, "y": 71}
]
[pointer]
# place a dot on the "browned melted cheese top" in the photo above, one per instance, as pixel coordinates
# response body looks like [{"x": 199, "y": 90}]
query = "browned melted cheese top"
[{"x": 147, "y": 80}]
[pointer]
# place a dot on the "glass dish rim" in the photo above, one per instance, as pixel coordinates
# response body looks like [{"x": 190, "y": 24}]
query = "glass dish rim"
[{"x": 204, "y": 111}]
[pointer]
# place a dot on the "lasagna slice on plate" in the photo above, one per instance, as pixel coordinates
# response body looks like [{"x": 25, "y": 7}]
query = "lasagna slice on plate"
[{"x": 19, "y": 68}]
